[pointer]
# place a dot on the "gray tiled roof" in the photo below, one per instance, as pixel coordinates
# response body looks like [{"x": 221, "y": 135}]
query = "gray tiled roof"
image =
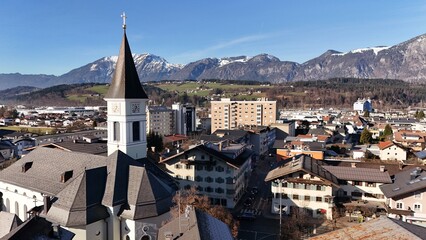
[
  {"x": 125, "y": 81},
  {"x": 359, "y": 174},
  {"x": 301, "y": 163},
  {"x": 79, "y": 203},
  {"x": 118, "y": 178},
  {"x": 8, "y": 221},
  {"x": 147, "y": 195},
  {"x": 48, "y": 165},
  {"x": 98, "y": 148},
  {"x": 197, "y": 225},
  {"x": 406, "y": 182},
  {"x": 376, "y": 229}
]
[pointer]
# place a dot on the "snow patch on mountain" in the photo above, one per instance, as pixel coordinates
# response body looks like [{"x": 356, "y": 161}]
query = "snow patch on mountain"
[
  {"x": 226, "y": 61},
  {"x": 376, "y": 50}
]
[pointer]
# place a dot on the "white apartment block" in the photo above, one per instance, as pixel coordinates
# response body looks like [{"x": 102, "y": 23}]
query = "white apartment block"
[
  {"x": 222, "y": 178},
  {"x": 227, "y": 114},
  {"x": 160, "y": 120}
]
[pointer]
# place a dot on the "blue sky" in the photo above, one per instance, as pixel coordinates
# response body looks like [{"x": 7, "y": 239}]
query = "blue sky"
[{"x": 54, "y": 37}]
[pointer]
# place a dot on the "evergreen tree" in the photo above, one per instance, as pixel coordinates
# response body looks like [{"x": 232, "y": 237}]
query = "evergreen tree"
[
  {"x": 421, "y": 115},
  {"x": 366, "y": 114},
  {"x": 365, "y": 137},
  {"x": 388, "y": 131},
  {"x": 155, "y": 140}
]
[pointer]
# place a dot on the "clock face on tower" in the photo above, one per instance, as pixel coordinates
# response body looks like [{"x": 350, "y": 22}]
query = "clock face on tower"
[
  {"x": 115, "y": 108},
  {"x": 136, "y": 108}
]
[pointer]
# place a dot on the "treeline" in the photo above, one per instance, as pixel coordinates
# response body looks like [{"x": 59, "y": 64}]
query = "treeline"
[{"x": 343, "y": 92}]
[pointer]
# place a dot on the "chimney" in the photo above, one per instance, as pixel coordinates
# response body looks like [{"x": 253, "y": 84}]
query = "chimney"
[
  {"x": 47, "y": 203},
  {"x": 66, "y": 176},
  {"x": 353, "y": 165},
  {"x": 168, "y": 236},
  {"x": 220, "y": 146},
  {"x": 26, "y": 166},
  {"x": 382, "y": 168}
]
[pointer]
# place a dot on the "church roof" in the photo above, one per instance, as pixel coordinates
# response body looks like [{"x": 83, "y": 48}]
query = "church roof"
[
  {"x": 80, "y": 202},
  {"x": 118, "y": 178},
  {"x": 125, "y": 81},
  {"x": 195, "y": 225},
  {"x": 8, "y": 221},
  {"x": 45, "y": 167},
  {"x": 147, "y": 195}
]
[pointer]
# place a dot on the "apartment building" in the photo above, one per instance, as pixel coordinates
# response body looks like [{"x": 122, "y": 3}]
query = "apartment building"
[
  {"x": 220, "y": 172},
  {"x": 227, "y": 114},
  {"x": 302, "y": 183},
  {"x": 161, "y": 120}
]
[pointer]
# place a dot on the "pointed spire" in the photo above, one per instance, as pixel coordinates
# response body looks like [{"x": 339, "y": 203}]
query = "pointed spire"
[{"x": 125, "y": 81}]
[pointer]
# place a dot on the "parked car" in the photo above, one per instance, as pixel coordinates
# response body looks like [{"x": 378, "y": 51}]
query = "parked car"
[
  {"x": 246, "y": 216},
  {"x": 248, "y": 202}
]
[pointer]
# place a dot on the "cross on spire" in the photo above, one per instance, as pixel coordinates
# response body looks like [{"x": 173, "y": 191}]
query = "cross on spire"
[{"x": 123, "y": 15}]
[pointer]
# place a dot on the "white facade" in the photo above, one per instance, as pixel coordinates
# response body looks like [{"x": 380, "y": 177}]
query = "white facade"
[
  {"x": 213, "y": 177},
  {"x": 313, "y": 195},
  {"x": 416, "y": 202},
  {"x": 123, "y": 114},
  {"x": 393, "y": 153},
  {"x": 360, "y": 190},
  {"x": 362, "y": 105}
]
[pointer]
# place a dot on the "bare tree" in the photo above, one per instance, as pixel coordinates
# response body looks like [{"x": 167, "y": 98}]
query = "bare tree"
[{"x": 202, "y": 202}]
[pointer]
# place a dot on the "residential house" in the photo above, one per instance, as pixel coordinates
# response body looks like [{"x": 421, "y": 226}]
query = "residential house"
[
  {"x": 285, "y": 150},
  {"x": 406, "y": 195},
  {"x": 411, "y": 139},
  {"x": 392, "y": 151},
  {"x": 360, "y": 183}
]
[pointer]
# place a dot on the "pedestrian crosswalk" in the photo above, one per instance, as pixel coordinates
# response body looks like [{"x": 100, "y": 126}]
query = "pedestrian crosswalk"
[{"x": 255, "y": 212}]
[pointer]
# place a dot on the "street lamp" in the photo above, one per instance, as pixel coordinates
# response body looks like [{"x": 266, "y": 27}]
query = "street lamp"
[{"x": 280, "y": 184}]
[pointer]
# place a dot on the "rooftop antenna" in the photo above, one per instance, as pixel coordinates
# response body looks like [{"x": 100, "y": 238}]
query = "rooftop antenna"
[{"x": 123, "y": 15}]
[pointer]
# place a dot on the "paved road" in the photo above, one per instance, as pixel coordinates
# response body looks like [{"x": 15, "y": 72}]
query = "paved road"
[{"x": 265, "y": 226}]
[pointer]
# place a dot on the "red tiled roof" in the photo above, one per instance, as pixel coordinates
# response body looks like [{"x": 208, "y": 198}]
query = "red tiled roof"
[{"x": 383, "y": 145}]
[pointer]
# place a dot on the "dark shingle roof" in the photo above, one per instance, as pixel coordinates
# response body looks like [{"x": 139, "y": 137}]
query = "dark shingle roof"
[
  {"x": 47, "y": 167},
  {"x": 147, "y": 195},
  {"x": 407, "y": 181},
  {"x": 125, "y": 81},
  {"x": 304, "y": 163},
  {"x": 79, "y": 203},
  {"x": 237, "y": 162},
  {"x": 359, "y": 174},
  {"x": 97, "y": 148}
]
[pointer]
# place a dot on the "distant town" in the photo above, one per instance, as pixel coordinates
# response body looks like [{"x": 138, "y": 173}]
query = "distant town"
[{"x": 213, "y": 159}]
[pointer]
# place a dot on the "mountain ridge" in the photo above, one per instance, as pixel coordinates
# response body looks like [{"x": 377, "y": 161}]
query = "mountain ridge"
[{"x": 405, "y": 61}]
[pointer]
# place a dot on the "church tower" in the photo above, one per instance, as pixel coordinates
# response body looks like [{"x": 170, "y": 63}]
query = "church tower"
[{"x": 126, "y": 106}]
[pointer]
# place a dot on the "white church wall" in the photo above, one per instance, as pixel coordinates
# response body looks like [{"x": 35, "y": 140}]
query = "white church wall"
[{"x": 22, "y": 198}]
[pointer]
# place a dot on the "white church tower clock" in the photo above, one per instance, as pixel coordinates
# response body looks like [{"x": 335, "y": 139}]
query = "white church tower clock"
[{"x": 126, "y": 106}]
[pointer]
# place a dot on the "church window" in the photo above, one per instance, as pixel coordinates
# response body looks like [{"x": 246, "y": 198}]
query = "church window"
[
  {"x": 136, "y": 132},
  {"x": 116, "y": 131},
  {"x": 17, "y": 209}
]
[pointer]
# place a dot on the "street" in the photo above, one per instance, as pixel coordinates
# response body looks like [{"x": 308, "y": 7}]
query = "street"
[{"x": 265, "y": 225}]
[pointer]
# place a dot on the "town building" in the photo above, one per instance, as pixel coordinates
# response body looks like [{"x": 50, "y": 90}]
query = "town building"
[
  {"x": 93, "y": 196},
  {"x": 227, "y": 114},
  {"x": 392, "y": 151},
  {"x": 220, "y": 171},
  {"x": 185, "y": 118},
  {"x": 302, "y": 183},
  {"x": 406, "y": 196},
  {"x": 363, "y": 105},
  {"x": 161, "y": 120}
]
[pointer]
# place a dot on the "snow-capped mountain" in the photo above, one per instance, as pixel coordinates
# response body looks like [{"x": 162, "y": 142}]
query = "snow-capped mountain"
[{"x": 405, "y": 61}]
